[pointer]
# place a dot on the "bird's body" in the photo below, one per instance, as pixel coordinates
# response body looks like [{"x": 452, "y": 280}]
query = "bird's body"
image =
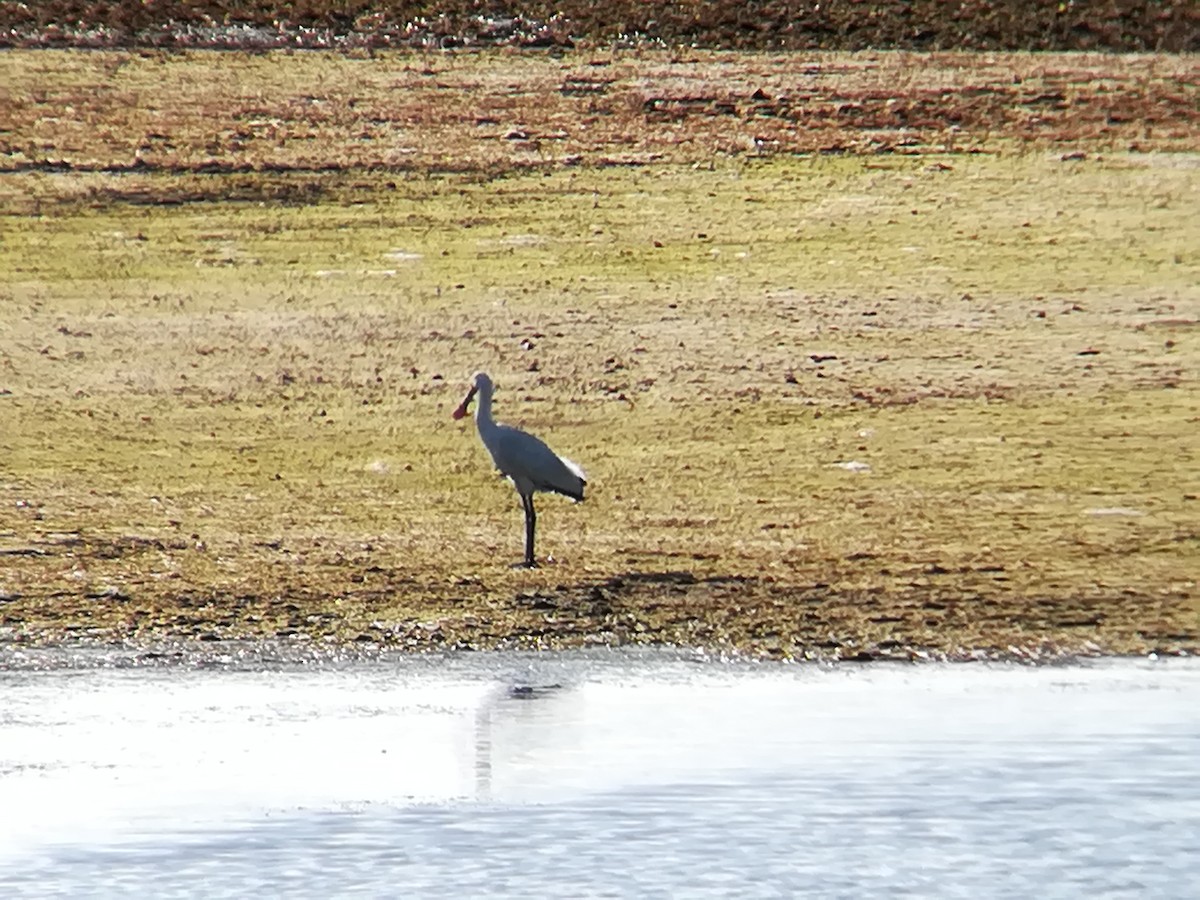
[{"x": 525, "y": 460}]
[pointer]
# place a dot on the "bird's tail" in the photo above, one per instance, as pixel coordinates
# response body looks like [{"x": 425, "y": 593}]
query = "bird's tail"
[{"x": 577, "y": 471}]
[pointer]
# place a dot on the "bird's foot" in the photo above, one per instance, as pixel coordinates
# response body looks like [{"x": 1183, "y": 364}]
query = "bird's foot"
[{"x": 526, "y": 564}]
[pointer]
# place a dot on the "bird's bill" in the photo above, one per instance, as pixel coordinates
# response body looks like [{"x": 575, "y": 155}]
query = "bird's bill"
[{"x": 461, "y": 409}]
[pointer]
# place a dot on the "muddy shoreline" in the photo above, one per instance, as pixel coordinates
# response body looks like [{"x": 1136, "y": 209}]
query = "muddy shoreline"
[{"x": 721, "y": 616}]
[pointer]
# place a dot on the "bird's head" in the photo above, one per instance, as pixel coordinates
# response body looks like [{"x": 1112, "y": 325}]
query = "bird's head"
[{"x": 480, "y": 383}]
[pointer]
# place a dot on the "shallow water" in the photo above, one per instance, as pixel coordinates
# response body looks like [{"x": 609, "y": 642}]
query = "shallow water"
[{"x": 600, "y": 775}]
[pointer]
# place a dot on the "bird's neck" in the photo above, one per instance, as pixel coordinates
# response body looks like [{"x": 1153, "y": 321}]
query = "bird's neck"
[{"x": 483, "y": 410}]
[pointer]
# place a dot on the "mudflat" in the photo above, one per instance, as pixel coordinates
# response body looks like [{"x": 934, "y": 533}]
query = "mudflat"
[{"x": 866, "y": 355}]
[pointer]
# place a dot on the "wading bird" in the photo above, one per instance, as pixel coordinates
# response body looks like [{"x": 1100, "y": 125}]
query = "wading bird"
[{"x": 526, "y": 461}]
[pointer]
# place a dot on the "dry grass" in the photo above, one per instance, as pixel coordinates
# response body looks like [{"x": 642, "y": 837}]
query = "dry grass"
[{"x": 231, "y": 417}]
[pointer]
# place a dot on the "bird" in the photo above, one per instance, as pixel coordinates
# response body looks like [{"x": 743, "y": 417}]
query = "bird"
[{"x": 525, "y": 460}]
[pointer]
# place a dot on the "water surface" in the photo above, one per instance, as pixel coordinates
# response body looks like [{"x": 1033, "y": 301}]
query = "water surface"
[{"x": 599, "y": 775}]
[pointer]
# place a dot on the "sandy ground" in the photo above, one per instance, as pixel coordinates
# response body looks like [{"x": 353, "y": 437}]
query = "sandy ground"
[{"x": 876, "y": 355}]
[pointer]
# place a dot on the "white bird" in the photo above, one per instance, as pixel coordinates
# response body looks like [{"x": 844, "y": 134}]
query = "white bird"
[{"x": 526, "y": 461}]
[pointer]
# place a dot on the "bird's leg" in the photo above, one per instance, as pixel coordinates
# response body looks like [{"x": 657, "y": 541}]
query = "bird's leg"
[{"x": 530, "y": 525}]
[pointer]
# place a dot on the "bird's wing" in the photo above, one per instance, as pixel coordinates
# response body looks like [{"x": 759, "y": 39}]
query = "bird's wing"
[{"x": 525, "y": 458}]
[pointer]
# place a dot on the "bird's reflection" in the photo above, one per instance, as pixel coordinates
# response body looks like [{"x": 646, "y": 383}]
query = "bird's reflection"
[{"x": 516, "y": 729}]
